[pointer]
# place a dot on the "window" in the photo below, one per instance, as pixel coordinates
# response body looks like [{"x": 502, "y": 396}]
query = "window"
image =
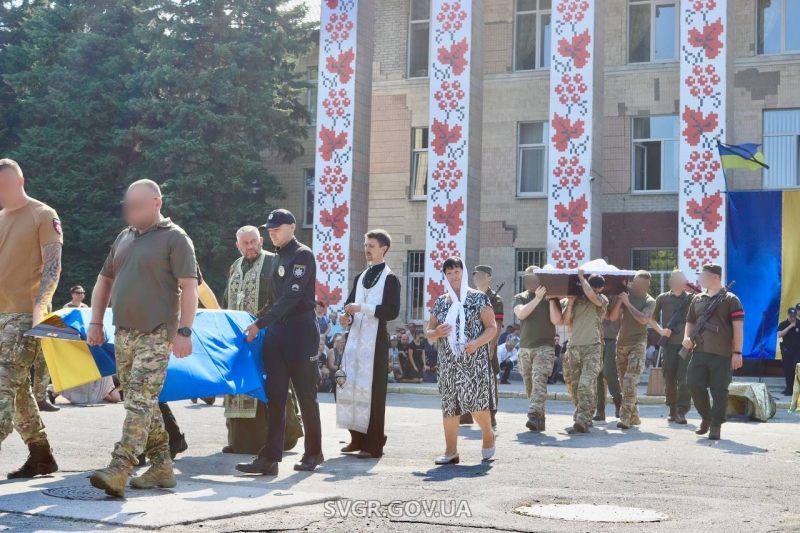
[
  {"x": 308, "y": 198},
  {"x": 526, "y": 258},
  {"x": 782, "y": 148},
  {"x": 655, "y": 153},
  {"x": 313, "y": 74},
  {"x": 418, "y": 37},
  {"x": 775, "y": 35},
  {"x": 416, "y": 286},
  {"x": 659, "y": 262},
  {"x": 419, "y": 163},
  {"x": 532, "y": 158},
  {"x": 531, "y": 34},
  {"x": 652, "y": 31}
]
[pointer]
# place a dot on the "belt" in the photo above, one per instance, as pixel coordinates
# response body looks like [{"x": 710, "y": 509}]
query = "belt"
[{"x": 295, "y": 318}]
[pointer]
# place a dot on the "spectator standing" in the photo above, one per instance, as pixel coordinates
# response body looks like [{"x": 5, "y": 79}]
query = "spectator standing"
[
  {"x": 789, "y": 333},
  {"x": 78, "y": 294}
]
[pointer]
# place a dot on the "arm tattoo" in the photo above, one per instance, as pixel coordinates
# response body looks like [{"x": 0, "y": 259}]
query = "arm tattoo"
[
  {"x": 640, "y": 315},
  {"x": 51, "y": 257}
]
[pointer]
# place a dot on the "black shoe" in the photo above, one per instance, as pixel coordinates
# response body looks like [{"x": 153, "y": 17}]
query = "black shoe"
[
  {"x": 209, "y": 400},
  {"x": 40, "y": 462},
  {"x": 309, "y": 462},
  {"x": 51, "y": 396},
  {"x": 713, "y": 433},
  {"x": 141, "y": 460},
  {"x": 600, "y": 415},
  {"x": 47, "y": 406},
  {"x": 194, "y": 400},
  {"x": 680, "y": 418},
  {"x": 259, "y": 465},
  {"x": 505, "y": 382},
  {"x": 228, "y": 449},
  {"x": 705, "y": 425},
  {"x": 617, "y": 405},
  {"x": 178, "y": 446},
  {"x": 289, "y": 444}
]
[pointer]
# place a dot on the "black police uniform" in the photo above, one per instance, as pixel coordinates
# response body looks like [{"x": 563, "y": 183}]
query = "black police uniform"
[
  {"x": 290, "y": 348},
  {"x": 790, "y": 352}
]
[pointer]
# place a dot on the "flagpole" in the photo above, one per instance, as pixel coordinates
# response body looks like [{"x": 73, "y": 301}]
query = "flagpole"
[{"x": 725, "y": 177}]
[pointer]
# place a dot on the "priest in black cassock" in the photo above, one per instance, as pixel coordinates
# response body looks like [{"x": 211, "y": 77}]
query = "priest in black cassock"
[{"x": 373, "y": 301}]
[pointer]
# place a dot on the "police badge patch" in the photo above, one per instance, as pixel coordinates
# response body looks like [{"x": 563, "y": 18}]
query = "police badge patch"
[
  {"x": 299, "y": 270},
  {"x": 281, "y": 271}
]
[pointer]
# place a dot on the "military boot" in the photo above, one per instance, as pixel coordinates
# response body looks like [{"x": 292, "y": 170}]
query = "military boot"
[
  {"x": 111, "y": 479},
  {"x": 714, "y": 433},
  {"x": 672, "y": 415},
  {"x": 534, "y": 423},
  {"x": 160, "y": 474},
  {"x": 617, "y": 405},
  {"x": 680, "y": 418},
  {"x": 600, "y": 415},
  {"x": 705, "y": 425},
  {"x": 40, "y": 462}
]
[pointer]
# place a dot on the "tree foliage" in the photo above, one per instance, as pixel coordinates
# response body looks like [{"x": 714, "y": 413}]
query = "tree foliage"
[{"x": 97, "y": 94}]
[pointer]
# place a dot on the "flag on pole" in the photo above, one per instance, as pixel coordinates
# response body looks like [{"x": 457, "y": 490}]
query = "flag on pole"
[{"x": 746, "y": 155}]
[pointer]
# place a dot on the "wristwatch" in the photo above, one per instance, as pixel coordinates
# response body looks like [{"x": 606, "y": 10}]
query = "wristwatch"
[
  {"x": 737, "y": 353},
  {"x": 186, "y": 332}
]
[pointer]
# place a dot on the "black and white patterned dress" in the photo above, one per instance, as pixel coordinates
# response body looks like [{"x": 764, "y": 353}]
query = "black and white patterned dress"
[{"x": 464, "y": 380}]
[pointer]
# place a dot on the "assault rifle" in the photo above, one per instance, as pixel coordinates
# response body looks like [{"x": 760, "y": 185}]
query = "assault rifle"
[
  {"x": 680, "y": 311},
  {"x": 493, "y": 295},
  {"x": 703, "y": 323}
]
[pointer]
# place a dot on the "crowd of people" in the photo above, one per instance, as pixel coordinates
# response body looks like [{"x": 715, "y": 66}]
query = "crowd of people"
[{"x": 152, "y": 281}]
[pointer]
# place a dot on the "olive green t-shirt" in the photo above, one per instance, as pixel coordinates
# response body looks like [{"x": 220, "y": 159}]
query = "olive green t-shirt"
[
  {"x": 630, "y": 330},
  {"x": 726, "y": 313},
  {"x": 537, "y": 329},
  {"x": 586, "y": 327},
  {"x": 145, "y": 268},
  {"x": 611, "y": 328},
  {"x": 666, "y": 304}
]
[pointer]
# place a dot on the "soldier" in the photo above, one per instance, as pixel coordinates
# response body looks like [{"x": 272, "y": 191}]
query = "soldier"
[
  {"x": 538, "y": 317},
  {"x": 634, "y": 311},
  {"x": 290, "y": 347},
  {"x": 608, "y": 373},
  {"x": 248, "y": 290},
  {"x": 150, "y": 275},
  {"x": 716, "y": 354},
  {"x": 29, "y": 281},
  {"x": 584, "y": 316},
  {"x": 482, "y": 277},
  {"x": 667, "y": 304}
]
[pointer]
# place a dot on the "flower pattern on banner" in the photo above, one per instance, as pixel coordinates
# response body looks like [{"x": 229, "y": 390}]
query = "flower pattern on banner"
[
  {"x": 570, "y": 155},
  {"x": 451, "y": 33},
  {"x": 701, "y": 186},
  {"x": 334, "y": 155}
]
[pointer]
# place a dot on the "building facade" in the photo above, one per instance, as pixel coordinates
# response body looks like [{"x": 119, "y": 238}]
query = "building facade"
[{"x": 639, "y": 131}]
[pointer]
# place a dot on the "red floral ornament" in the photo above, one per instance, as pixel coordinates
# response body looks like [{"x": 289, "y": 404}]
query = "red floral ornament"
[
  {"x": 575, "y": 48},
  {"x": 435, "y": 289},
  {"x": 455, "y": 56},
  {"x": 444, "y": 135},
  {"x": 341, "y": 65},
  {"x": 324, "y": 294},
  {"x": 450, "y": 216},
  {"x": 331, "y": 141},
  {"x": 332, "y": 4},
  {"x": 708, "y": 39},
  {"x": 697, "y": 124},
  {"x": 336, "y": 219},
  {"x": 573, "y": 214},
  {"x": 565, "y": 131},
  {"x": 707, "y": 211}
]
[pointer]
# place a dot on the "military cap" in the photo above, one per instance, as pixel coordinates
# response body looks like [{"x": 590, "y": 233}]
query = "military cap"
[
  {"x": 483, "y": 268},
  {"x": 712, "y": 268}
]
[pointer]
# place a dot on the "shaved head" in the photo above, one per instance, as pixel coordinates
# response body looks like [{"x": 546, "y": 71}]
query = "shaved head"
[
  {"x": 12, "y": 185},
  {"x": 149, "y": 185},
  {"x": 11, "y": 165}
]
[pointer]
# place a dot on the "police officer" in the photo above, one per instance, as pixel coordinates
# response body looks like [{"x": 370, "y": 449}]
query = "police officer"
[
  {"x": 716, "y": 353},
  {"x": 789, "y": 333},
  {"x": 290, "y": 347}
]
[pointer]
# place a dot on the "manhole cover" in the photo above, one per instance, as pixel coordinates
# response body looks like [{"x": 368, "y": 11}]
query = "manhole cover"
[
  {"x": 91, "y": 493},
  {"x": 592, "y": 513}
]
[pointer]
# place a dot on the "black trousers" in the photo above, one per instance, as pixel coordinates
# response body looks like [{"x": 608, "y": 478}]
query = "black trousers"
[
  {"x": 507, "y": 366},
  {"x": 170, "y": 424},
  {"x": 290, "y": 353},
  {"x": 789, "y": 359}
]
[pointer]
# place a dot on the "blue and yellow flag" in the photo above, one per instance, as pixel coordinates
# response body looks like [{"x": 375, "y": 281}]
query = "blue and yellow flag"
[
  {"x": 763, "y": 254},
  {"x": 222, "y": 362},
  {"x": 746, "y": 155}
]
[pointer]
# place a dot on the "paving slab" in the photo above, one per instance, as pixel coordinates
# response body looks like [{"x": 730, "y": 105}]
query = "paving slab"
[{"x": 72, "y": 497}]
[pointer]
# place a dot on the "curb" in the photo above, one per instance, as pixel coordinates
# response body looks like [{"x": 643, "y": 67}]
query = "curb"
[{"x": 555, "y": 396}]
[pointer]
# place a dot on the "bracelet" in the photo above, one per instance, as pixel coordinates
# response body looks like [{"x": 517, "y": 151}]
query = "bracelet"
[
  {"x": 737, "y": 353},
  {"x": 96, "y": 323}
]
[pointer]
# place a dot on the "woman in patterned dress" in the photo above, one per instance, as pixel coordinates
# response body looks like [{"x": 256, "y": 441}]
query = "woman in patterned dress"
[{"x": 462, "y": 322}]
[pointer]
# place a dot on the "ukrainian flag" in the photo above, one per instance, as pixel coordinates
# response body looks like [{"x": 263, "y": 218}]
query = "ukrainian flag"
[
  {"x": 222, "y": 362},
  {"x": 763, "y": 254},
  {"x": 745, "y": 155}
]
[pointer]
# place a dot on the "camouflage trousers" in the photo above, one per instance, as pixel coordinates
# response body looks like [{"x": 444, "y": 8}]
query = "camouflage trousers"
[
  {"x": 142, "y": 368},
  {"x": 41, "y": 377},
  {"x": 630, "y": 365},
  {"x": 536, "y": 365},
  {"x": 18, "y": 409},
  {"x": 566, "y": 370},
  {"x": 585, "y": 363}
]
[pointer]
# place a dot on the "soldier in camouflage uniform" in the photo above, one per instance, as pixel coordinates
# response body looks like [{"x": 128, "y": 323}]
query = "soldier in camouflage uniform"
[
  {"x": 584, "y": 316},
  {"x": 28, "y": 283},
  {"x": 634, "y": 311},
  {"x": 482, "y": 277},
  {"x": 538, "y": 317},
  {"x": 151, "y": 272}
]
